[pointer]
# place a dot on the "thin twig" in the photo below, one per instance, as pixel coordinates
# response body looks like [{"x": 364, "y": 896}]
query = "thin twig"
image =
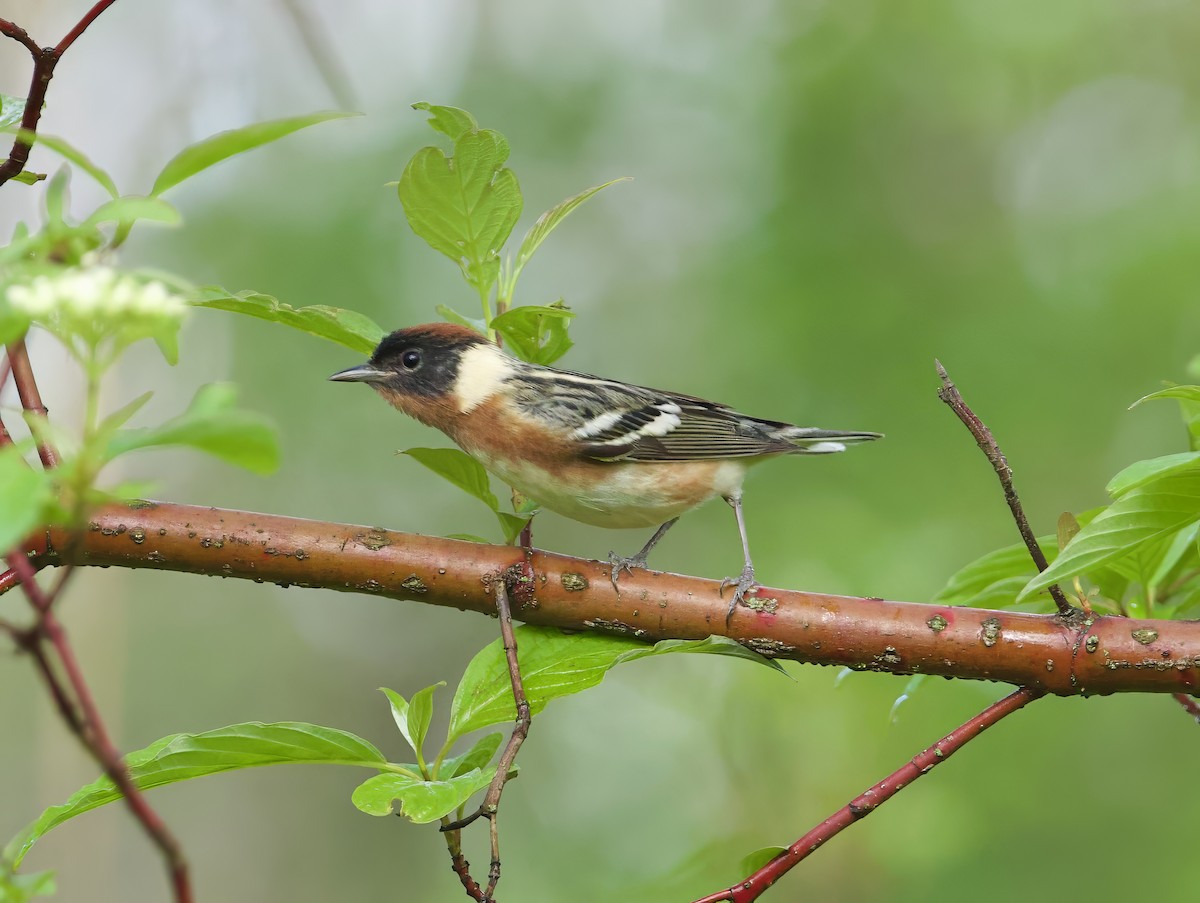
[
  {"x": 83, "y": 717},
  {"x": 866, "y": 803},
  {"x": 987, "y": 444},
  {"x": 490, "y": 806},
  {"x": 31, "y": 398},
  {"x": 44, "y": 61}
]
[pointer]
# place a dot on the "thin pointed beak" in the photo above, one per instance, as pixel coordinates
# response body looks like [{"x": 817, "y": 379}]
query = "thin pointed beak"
[{"x": 363, "y": 373}]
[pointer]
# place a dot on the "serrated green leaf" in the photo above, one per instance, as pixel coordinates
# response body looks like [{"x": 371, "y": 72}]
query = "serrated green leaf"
[
  {"x": 536, "y": 334},
  {"x": 1137, "y": 517},
  {"x": 752, "y": 862},
  {"x": 548, "y": 222},
  {"x": 26, "y": 496},
  {"x": 449, "y": 121},
  {"x": 459, "y": 468},
  {"x": 1141, "y": 472},
  {"x": 464, "y": 206},
  {"x": 213, "y": 425},
  {"x": 346, "y": 327},
  {"x": 420, "y": 801},
  {"x": 453, "y": 316},
  {"x": 12, "y": 109},
  {"x": 223, "y": 145},
  {"x": 129, "y": 209},
  {"x": 420, "y": 714},
  {"x": 73, "y": 155},
  {"x": 181, "y": 757},
  {"x": 478, "y": 756},
  {"x": 555, "y": 664}
]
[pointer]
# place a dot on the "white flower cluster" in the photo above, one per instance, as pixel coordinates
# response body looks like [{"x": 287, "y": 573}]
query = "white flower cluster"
[{"x": 96, "y": 294}]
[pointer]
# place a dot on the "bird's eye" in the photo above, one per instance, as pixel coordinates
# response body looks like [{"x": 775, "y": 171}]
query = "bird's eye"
[{"x": 410, "y": 359}]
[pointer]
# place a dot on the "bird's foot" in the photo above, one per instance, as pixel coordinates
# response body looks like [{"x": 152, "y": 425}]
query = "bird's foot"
[
  {"x": 741, "y": 585},
  {"x": 620, "y": 563}
]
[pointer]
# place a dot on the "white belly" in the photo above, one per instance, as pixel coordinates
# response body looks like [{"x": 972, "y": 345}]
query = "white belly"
[{"x": 631, "y": 494}]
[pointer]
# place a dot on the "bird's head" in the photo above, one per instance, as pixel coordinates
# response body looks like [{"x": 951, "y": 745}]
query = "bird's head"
[{"x": 435, "y": 363}]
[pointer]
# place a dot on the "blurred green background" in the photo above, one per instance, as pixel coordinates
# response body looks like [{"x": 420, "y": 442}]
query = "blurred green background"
[{"x": 826, "y": 196}]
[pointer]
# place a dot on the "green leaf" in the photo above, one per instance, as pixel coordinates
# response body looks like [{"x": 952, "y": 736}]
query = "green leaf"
[
  {"x": 454, "y": 316},
  {"x": 1182, "y": 544},
  {"x": 464, "y": 206},
  {"x": 346, "y": 327},
  {"x": 995, "y": 579},
  {"x": 212, "y": 150},
  {"x": 56, "y": 196},
  {"x": 12, "y": 109},
  {"x": 548, "y": 222},
  {"x": 458, "y": 468},
  {"x": 536, "y": 334},
  {"x": 23, "y": 888},
  {"x": 181, "y": 757},
  {"x": 420, "y": 713},
  {"x": 1137, "y": 517},
  {"x": 478, "y": 756},
  {"x": 752, "y": 862},
  {"x": 213, "y": 425},
  {"x": 1141, "y": 472},
  {"x": 128, "y": 210},
  {"x": 122, "y": 416},
  {"x": 449, "y": 121},
  {"x": 420, "y": 801},
  {"x": 25, "y": 177},
  {"x": 1188, "y": 393},
  {"x": 72, "y": 154},
  {"x": 555, "y": 664},
  {"x": 399, "y": 707},
  {"x": 26, "y": 495},
  {"x": 511, "y": 525}
]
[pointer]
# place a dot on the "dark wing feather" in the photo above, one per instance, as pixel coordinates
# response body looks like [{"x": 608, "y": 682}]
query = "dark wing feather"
[{"x": 615, "y": 421}]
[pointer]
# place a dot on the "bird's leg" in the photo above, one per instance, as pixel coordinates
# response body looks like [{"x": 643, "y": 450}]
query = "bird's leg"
[
  {"x": 621, "y": 563},
  {"x": 746, "y": 581}
]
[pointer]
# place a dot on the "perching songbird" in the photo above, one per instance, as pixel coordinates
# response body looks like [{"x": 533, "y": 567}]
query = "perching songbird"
[{"x": 596, "y": 450}]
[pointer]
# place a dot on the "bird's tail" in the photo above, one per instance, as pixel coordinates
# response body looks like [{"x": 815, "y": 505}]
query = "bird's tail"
[{"x": 813, "y": 441}]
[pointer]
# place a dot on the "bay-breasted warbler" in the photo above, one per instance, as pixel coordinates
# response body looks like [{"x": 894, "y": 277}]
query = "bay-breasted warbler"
[{"x": 596, "y": 450}]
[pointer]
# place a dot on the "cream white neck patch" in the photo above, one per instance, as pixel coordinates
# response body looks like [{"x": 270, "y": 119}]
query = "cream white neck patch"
[{"x": 481, "y": 370}]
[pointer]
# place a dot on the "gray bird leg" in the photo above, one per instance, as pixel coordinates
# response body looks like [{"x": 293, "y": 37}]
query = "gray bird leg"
[
  {"x": 746, "y": 581},
  {"x": 620, "y": 563}
]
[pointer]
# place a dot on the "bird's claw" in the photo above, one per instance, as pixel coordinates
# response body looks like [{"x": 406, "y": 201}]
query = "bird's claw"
[
  {"x": 742, "y": 585},
  {"x": 618, "y": 563}
]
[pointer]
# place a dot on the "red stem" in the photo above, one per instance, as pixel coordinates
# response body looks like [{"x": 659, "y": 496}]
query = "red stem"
[
  {"x": 31, "y": 398},
  {"x": 44, "y": 61},
  {"x": 84, "y": 720},
  {"x": 1189, "y": 705},
  {"x": 862, "y": 806}
]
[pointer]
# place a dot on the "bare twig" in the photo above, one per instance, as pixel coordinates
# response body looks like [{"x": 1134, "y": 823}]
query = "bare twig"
[
  {"x": 83, "y": 718},
  {"x": 987, "y": 444},
  {"x": 44, "y": 61},
  {"x": 490, "y": 806},
  {"x": 866, "y": 803},
  {"x": 31, "y": 398}
]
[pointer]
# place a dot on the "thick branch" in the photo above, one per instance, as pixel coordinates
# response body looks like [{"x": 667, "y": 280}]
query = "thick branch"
[{"x": 1044, "y": 652}]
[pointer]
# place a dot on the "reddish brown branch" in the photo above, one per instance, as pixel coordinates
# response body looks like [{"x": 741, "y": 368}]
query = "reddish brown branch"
[
  {"x": 83, "y": 718},
  {"x": 1044, "y": 652},
  {"x": 31, "y": 398},
  {"x": 987, "y": 444},
  {"x": 866, "y": 803},
  {"x": 44, "y": 61}
]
